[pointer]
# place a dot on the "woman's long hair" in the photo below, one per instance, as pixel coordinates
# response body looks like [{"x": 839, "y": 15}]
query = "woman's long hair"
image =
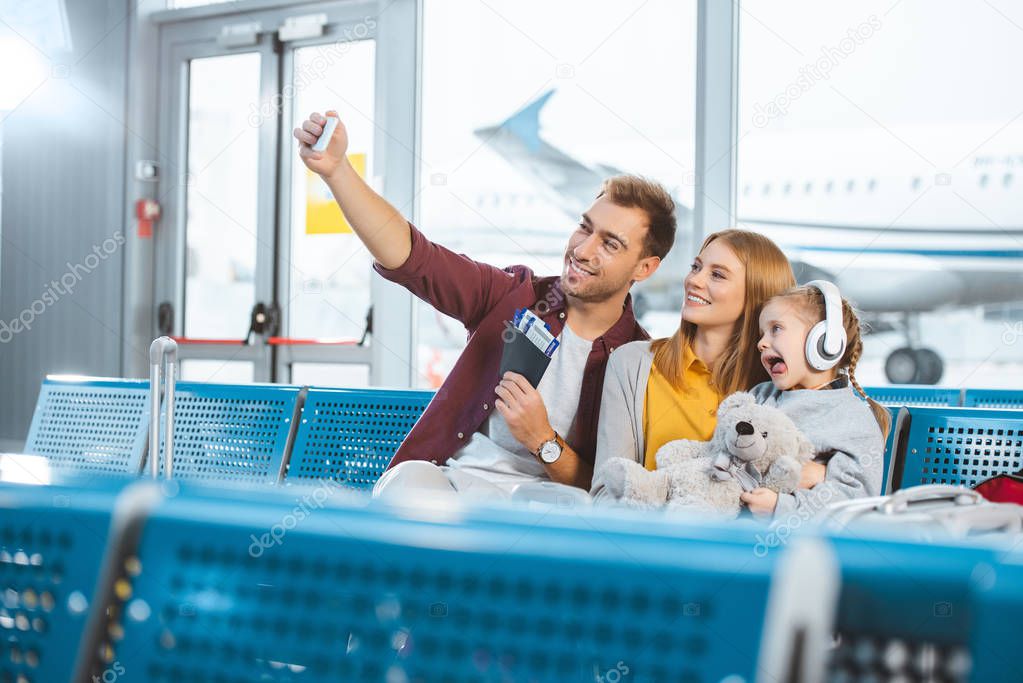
[{"x": 738, "y": 368}]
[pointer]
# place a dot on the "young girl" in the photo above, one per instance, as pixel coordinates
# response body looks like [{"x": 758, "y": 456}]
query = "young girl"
[{"x": 813, "y": 376}]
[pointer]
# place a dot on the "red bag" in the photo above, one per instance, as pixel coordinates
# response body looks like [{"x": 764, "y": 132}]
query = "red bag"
[{"x": 1005, "y": 488}]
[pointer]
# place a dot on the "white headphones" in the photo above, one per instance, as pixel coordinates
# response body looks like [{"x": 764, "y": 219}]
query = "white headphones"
[{"x": 826, "y": 341}]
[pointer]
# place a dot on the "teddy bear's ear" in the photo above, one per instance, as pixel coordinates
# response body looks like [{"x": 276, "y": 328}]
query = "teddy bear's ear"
[{"x": 739, "y": 398}]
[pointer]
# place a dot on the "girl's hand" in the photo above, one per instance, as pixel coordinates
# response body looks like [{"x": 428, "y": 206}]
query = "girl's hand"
[
  {"x": 761, "y": 502},
  {"x": 813, "y": 474}
]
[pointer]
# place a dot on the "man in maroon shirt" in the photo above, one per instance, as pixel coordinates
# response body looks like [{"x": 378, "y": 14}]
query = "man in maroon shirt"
[{"x": 483, "y": 431}]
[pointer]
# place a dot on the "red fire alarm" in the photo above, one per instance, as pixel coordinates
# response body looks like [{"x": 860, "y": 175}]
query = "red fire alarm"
[{"x": 147, "y": 212}]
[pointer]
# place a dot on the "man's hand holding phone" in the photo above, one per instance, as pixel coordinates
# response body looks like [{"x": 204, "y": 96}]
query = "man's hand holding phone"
[{"x": 327, "y": 162}]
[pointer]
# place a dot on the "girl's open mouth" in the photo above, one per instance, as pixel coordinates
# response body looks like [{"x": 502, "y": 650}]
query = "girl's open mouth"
[{"x": 775, "y": 365}]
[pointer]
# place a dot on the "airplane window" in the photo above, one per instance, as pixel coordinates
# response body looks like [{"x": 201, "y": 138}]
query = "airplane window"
[
  {"x": 916, "y": 252},
  {"x": 767, "y": 188},
  {"x": 788, "y": 188},
  {"x": 549, "y": 125},
  {"x": 808, "y": 188}
]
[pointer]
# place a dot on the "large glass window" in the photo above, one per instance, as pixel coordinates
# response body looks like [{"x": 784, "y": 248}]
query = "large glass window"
[
  {"x": 880, "y": 144},
  {"x": 513, "y": 150}
]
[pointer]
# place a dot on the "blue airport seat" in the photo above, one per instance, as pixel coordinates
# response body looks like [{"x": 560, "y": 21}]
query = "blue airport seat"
[
  {"x": 234, "y": 584},
  {"x": 350, "y": 435},
  {"x": 914, "y": 395},
  {"x": 53, "y": 542},
  {"x": 91, "y": 424},
  {"x": 236, "y": 432},
  {"x": 996, "y": 618},
  {"x": 994, "y": 398},
  {"x": 960, "y": 446},
  {"x": 897, "y": 395},
  {"x": 261, "y": 590},
  {"x": 907, "y": 609}
]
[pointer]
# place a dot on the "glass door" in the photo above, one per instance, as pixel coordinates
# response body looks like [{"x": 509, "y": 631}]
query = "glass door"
[
  {"x": 259, "y": 276},
  {"x": 325, "y": 272},
  {"x": 216, "y": 238}
]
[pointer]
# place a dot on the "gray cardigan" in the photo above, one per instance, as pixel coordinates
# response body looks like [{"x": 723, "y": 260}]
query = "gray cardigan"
[
  {"x": 620, "y": 430},
  {"x": 840, "y": 425}
]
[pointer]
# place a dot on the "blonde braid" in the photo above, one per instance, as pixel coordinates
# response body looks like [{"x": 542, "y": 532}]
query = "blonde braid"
[
  {"x": 854, "y": 354},
  {"x": 854, "y": 358}
]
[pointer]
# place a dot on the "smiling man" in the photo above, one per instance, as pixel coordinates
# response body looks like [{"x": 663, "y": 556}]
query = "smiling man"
[{"x": 483, "y": 434}]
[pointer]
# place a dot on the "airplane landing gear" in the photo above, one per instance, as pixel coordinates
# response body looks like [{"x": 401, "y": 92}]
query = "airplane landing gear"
[{"x": 914, "y": 366}]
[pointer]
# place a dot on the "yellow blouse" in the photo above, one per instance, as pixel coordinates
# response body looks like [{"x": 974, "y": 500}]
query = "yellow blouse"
[{"x": 670, "y": 414}]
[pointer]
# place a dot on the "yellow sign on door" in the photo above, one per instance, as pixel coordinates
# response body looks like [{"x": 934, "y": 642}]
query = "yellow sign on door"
[{"x": 322, "y": 214}]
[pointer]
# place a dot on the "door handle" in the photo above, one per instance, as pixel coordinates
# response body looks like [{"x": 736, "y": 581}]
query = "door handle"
[{"x": 264, "y": 320}]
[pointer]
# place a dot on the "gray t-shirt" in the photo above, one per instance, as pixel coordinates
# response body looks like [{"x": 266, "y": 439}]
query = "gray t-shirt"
[{"x": 495, "y": 455}]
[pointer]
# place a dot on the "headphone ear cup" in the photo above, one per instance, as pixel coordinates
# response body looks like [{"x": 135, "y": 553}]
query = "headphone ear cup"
[{"x": 816, "y": 356}]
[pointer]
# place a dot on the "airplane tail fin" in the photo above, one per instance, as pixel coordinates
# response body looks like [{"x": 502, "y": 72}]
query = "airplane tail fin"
[{"x": 523, "y": 124}]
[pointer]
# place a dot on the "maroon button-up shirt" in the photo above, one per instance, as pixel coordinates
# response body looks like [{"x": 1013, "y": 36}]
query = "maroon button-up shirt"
[{"x": 482, "y": 297}]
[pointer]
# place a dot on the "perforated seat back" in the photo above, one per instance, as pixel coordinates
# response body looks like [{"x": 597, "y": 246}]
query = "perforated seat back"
[
  {"x": 243, "y": 593},
  {"x": 896, "y": 396},
  {"x": 350, "y": 435},
  {"x": 961, "y": 446},
  {"x": 1010, "y": 399},
  {"x": 237, "y": 432},
  {"x": 91, "y": 424},
  {"x": 52, "y": 543},
  {"x": 906, "y": 610}
]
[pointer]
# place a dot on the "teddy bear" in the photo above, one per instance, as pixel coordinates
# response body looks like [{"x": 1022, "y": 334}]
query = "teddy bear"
[{"x": 753, "y": 446}]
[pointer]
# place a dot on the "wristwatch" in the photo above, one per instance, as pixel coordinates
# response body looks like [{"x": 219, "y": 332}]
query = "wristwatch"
[{"x": 550, "y": 450}]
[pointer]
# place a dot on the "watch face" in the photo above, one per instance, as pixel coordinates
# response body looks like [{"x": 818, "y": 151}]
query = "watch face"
[{"x": 550, "y": 451}]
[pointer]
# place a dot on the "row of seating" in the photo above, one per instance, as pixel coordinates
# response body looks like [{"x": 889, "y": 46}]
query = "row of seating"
[
  {"x": 958, "y": 446},
  {"x": 913, "y": 395},
  {"x": 143, "y": 581},
  {"x": 258, "y": 433},
  {"x": 987, "y": 424},
  {"x": 280, "y": 434}
]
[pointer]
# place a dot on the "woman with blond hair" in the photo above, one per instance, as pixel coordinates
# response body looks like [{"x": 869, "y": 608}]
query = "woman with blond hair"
[{"x": 667, "y": 389}]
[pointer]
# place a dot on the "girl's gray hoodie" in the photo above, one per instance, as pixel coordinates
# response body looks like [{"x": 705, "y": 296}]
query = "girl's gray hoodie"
[{"x": 845, "y": 436}]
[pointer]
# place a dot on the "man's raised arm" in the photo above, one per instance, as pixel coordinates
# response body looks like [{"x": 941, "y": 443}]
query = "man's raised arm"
[{"x": 380, "y": 226}]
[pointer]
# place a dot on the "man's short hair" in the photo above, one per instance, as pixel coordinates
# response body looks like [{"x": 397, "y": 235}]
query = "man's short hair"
[{"x": 636, "y": 192}]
